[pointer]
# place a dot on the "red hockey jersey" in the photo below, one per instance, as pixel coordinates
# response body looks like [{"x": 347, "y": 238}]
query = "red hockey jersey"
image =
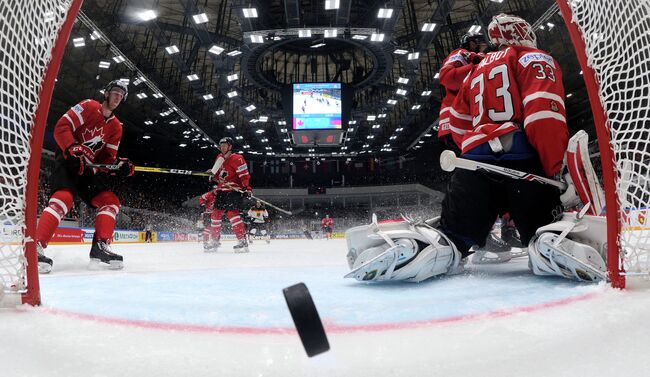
[
  {"x": 233, "y": 173},
  {"x": 327, "y": 222},
  {"x": 454, "y": 69},
  {"x": 207, "y": 200},
  {"x": 518, "y": 88},
  {"x": 85, "y": 124}
]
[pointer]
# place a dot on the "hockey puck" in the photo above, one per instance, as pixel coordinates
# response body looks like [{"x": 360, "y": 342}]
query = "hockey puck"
[{"x": 306, "y": 318}]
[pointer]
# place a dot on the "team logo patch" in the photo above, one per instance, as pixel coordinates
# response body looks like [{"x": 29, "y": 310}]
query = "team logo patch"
[
  {"x": 77, "y": 109},
  {"x": 526, "y": 59},
  {"x": 554, "y": 106},
  {"x": 241, "y": 168},
  {"x": 93, "y": 139}
]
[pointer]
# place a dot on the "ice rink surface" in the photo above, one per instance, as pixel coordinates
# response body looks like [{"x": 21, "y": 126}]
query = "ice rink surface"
[{"x": 177, "y": 311}]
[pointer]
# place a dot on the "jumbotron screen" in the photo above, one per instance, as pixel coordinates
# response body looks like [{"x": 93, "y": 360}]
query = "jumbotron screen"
[{"x": 317, "y": 106}]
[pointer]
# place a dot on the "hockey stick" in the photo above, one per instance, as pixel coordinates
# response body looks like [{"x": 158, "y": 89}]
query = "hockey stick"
[
  {"x": 230, "y": 186},
  {"x": 449, "y": 161},
  {"x": 151, "y": 170}
]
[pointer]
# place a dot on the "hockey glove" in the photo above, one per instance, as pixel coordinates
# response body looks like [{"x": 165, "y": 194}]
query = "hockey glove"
[
  {"x": 569, "y": 197},
  {"x": 248, "y": 192},
  {"x": 126, "y": 167},
  {"x": 74, "y": 159}
]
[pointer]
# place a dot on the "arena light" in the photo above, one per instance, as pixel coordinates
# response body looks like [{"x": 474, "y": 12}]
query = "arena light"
[
  {"x": 360, "y": 37},
  {"x": 569, "y": 95},
  {"x": 400, "y": 51},
  {"x": 416, "y": 107},
  {"x": 208, "y": 97},
  {"x": 232, "y": 77},
  {"x": 250, "y": 108},
  {"x": 119, "y": 59},
  {"x": 497, "y": 1},
  {"x": 385, "y": 13},
  {"x": 351, "y": 129},
  {"x": 426, "y": 93},
  {"x": 282, "y": 123},
  {"x": 148, "y": 122},
  {"x": 193, "y": 77},
  {"x": 234, "y": 53},
  {"x": 239, "y": 137},
  {"x": 232, "y": 94},
  {"x": 400, "y": 129},
  {"x": 147, "y": 15},
  {"x": 332, "y": 4},
  {"x": 157, "y": 95},
  {"x": 413, "y": 56},
  {"x": 550, "y": 25},
  {"x": 200, "y": 18},
  {"x": 371, "y": 117},
  {"x": 304, "y": 33},
  {"x": 317, "y": 45},
  {"x": 104, "y": 64},
  {"x": 403, "y": 80},
  {"x": 436, "y": 76},
  {"x": 376, "y": 126},
  {"x": 401, "y": 92},
  {"x": 393, "y": 137},
  {"x": 220, "y": 112},
  {"x": 352, "y": 122},
  {"x": 377, "y": 37},
  {"x": 381, "y": 116},
  {"x": 230, "y": 126},
  {"x": 370, "y": 137},
  {"x": 428, "y": 26},
  {"x": 330, "y": 33},
  {"x": 263, "y": 118},
  {"x": 216, "y": 50},
  {"x": 256, "y": 38},
  {"x": 141, "y": 95},
  {"x": 265, "y": 140},
  {"x": 474, "y": 29},
  {"x": 146, "y": 137},
  {"x": 391, "y": 102},
  {"x": 250, "y": 12},
  {"x": 171, "y": 50},
  {"x": 283, "y": 130},
  {"x": 182, "y": 145},
  {"x": 79, "y": 42},
  {"x": 139, "y": 80},
  {"x": 95, "y": 35}
]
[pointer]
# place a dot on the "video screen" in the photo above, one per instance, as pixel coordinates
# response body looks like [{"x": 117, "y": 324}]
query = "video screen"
[{"x": 317, "y": 106}]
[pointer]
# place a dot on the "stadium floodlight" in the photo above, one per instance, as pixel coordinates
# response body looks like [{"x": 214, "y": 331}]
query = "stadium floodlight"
[
  {"x": 382, "y": 115},
  {"x": 413, "y": 56},
  {"x": 330, "y": 33},
  {"x": 426, "y": 93},
  {"x": 157, "y": 95},
  {"x": 250, "y": 12},
  {"x": 250, "y": 108},
  {"x": 95, "y": 35},
  {"x": 220, "y": 112},
  {"x": 182, "y": 145},
  {"x": 393, "y": 137},
  {"x": 282, "y": 123},
  {"x": 104, "y": 64},
  {"x": 391, "y": 102},
  {"x": 232, "y": 77},
  {"x": 256, "y": 38},
  {"x": 216, "y": 49},
  {"x": 332, "y": 4},
  {"x": 232, "y": 94},
  {"x": 304, "y": 33},
  {"x": 474, "y": 29},
  {"x": 360, "y": 37},
  {"x": 146, "y": 137},
  {"x": 376, "y": 126},
  {"x": 401, "y": 92},
  {"x": 400, "y": 129},
  {"x": 352, "y": 122},
  {"x": 436, "y": 76},
  {"x": 350, "y": 129},
  {"x": 550, "y": 25},
  {"x": 403, "y": 80},
  {"x": 263, "y": 118},
  {"x": 239, "y": 137},
  {"x": 230, "y": 126},
  {"x": 385, "y": 13},
  {"x": 234, "y": 53},
  {"x": 125, "y": 81},
  {"x": 416, "y": 107},
  {"x": 119, "y": 59},
  {"x": 371, "y": 117},
  {"x": 369, "y": 137},
  {"x": 428, "y": 26},
  {"x": 365, "y": 146},
  {"x": 139, "y": 80},
  {"x": 377, "y": 37},
  {"x": 497, "y": 1},
  {"x": 141, "y": 95},
  {"x": 400, "y": 51},
  {"x": 283, "y": 130},
  {"x": 147, "y": 15},
  {"x": 426, "y": 135},
  {"x": 265, "y": 140},
  {"x": 200, "y": 18},
  {"x": 421, "y": 142},
  {"x": 171, "y": 50},
  {"x": 148, "y": 122},
  {"x": 193, "y": 77},
  {"x": 79, "y": 42},
  {"x": 208, "y": 97},
  {"x": 317, "y": 45}
]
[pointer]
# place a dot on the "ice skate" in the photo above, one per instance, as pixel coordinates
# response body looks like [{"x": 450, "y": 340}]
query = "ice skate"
[
  {"x": 44, "y": 263},
  {"x": 495, "y": 250},
  {"x": 213, "y": 246},
  {"x": 241, "y": 247},
  {"x": 101, "y": 254}
]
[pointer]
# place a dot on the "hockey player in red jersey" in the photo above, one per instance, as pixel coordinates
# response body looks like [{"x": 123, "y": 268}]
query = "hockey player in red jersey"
[
  {"x": 207, "y": 201},
  {"x": 455, "y": 68},
  {"x": 232, "y": 177},
  {"x": 326, "y": 224},
  {"x": 87, "y": 133}
]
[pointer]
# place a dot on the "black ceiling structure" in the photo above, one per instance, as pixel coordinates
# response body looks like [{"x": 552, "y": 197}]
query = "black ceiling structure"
[{"x": 192, "y": 83}]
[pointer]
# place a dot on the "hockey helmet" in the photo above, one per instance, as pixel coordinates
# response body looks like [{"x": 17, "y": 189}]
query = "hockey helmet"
[
  {"x": 117, "y": 84},
  {"x": 471, "y": 37},
  {"x": 508, "y": 30},
  {"x": 226, "y": 140}
]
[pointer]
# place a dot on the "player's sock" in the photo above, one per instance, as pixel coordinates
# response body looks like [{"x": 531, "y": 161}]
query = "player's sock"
[
  {"x": 237, "y": 225},
  {"x": 59, "y": 204},
  {"x": 108, "y": 206}
]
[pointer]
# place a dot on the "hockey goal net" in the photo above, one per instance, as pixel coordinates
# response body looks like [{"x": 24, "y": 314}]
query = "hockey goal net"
[
  {"x": 612, "y": 41},
  {"x": 32, "y": 40}
]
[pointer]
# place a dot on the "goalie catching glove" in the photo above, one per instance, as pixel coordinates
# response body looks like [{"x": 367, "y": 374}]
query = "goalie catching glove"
[{"x": 400, "y": 250}]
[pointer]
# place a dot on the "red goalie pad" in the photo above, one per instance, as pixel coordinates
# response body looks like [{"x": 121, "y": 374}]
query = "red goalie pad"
[{"x": 582, "y": 173}]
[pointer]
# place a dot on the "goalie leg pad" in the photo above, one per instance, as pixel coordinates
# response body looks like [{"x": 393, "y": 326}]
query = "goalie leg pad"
[
  {"x": 582, "y": 173},
  {"x": 569, "y": 259}
]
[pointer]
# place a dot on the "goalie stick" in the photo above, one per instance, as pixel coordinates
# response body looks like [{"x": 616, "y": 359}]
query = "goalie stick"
[
  {"x": 449, "y": 162},
  {"x": 152, "y": 170}
]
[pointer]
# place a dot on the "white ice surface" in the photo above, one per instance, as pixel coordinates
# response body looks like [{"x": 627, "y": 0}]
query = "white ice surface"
[{"x": 176, "y": 311}]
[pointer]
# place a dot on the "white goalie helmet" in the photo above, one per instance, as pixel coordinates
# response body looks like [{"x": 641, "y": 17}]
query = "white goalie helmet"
[{"x": 508, "y": 30}]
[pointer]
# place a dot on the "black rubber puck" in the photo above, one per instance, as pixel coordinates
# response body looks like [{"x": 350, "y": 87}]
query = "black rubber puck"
[{"x": 306, "y": 318}]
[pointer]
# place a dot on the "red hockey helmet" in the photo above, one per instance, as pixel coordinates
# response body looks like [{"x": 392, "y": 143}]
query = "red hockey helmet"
[{"x": 508, "y": 30}]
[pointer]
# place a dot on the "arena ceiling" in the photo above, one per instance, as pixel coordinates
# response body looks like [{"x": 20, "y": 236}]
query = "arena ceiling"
[{"x": 185, "y": 62}]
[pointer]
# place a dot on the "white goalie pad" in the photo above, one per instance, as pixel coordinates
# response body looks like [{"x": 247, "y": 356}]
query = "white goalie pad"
[
  {"x": 399, "y": 250},
  {"x": 582, "y": 174},
  {"x": 572, "y": 248}
]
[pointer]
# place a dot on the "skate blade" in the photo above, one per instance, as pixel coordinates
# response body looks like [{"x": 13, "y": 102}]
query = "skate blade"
[
  {"x": 44, "y": 268},
  {"x": 373, "y": 268},
  {"x": 242, "y": 250},
  {"x": 97, "y": 264}
]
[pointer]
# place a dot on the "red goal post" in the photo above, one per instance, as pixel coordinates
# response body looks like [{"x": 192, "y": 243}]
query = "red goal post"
[
  {"x": 613, "y": 47},
  {"x": 32, "y": 43}
]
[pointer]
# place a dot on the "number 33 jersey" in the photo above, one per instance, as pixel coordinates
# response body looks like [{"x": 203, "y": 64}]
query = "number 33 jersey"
[{"x": 514, "y": 89}]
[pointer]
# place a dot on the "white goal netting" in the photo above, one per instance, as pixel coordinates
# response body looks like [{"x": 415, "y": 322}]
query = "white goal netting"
[
  {"x": 28, "y": 32},
  {"x": 617, "y": 39}
]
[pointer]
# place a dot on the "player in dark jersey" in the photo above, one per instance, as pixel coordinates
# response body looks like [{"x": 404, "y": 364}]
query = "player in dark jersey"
[{"x": 87, "y": 133}]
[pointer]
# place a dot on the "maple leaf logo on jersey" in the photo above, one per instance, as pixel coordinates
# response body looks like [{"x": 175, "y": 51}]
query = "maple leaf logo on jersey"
[{"x": 93, "y": 139}]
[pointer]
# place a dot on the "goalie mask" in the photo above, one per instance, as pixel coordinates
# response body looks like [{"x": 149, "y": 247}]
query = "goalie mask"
[{"x": 507, "y": 30}]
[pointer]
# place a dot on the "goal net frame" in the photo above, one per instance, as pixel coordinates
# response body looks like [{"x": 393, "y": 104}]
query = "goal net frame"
[{"x": 25, "y": 289}]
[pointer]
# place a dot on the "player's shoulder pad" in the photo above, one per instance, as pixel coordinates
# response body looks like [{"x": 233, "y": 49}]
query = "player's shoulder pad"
[
  {"x": 87, "y": 104},
  {"x": 529, "y": 55},
  {"x": 457, "y": 55}
]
